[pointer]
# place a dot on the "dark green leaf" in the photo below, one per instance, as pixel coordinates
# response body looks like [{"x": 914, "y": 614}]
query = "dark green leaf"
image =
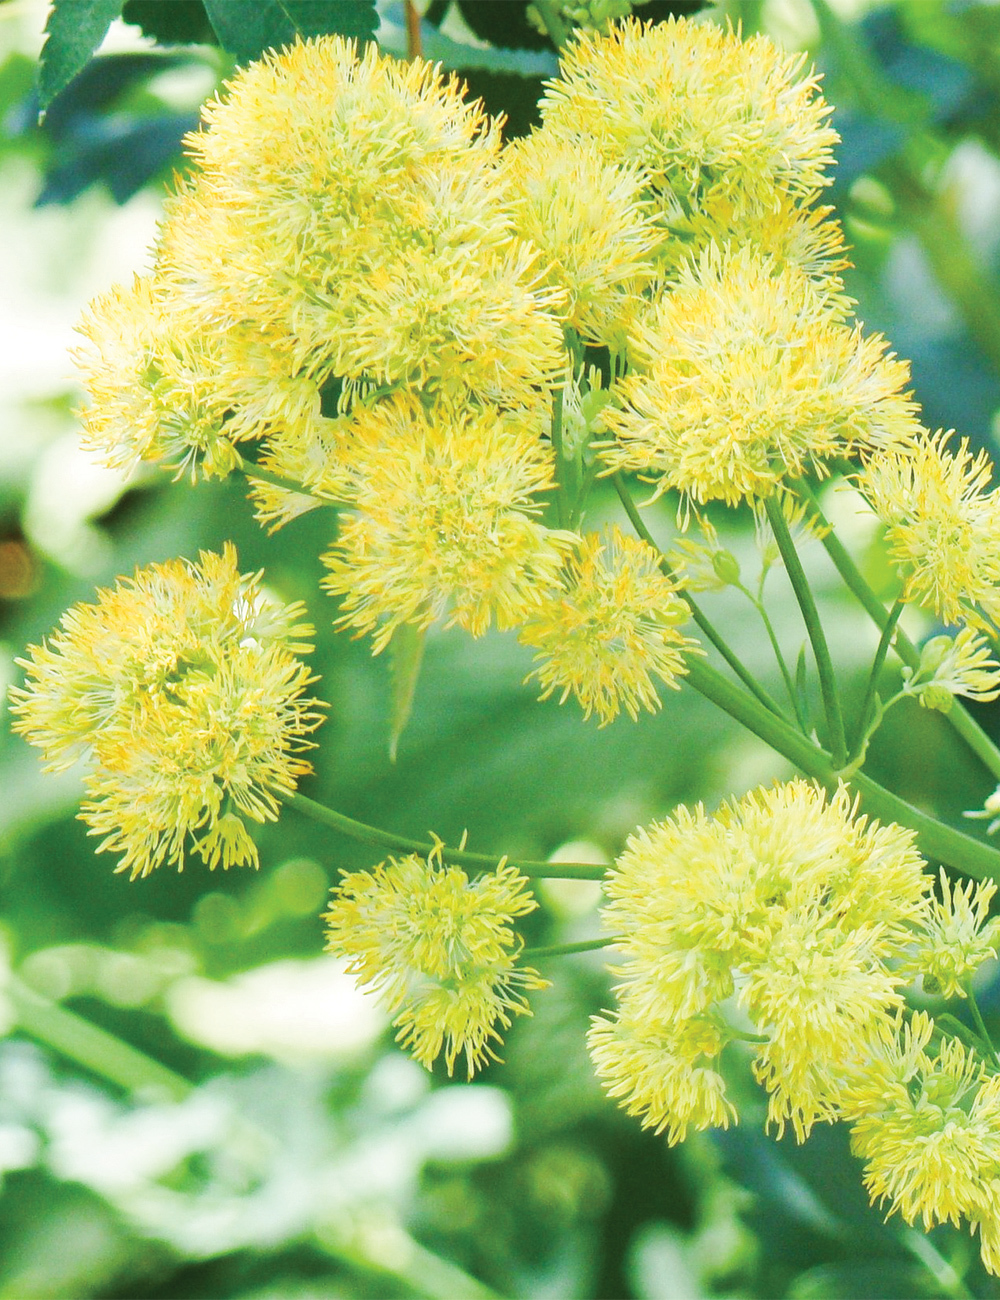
[
  {"x": 406, "y": 654},
  {"x": 181, "y": 22},
  {"x": 249, "y": 27},
  {"x": 73, "y": 32}
]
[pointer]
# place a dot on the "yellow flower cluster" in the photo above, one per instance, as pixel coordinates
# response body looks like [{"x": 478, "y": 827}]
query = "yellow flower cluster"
[
  {"x": 440, "y": 950},
  {"x": 788, "y": 924},
  {"x": 445, "y": 519},
  {"x": 942, "y": 519},
  {"x": 182, "y": 688},
  {"x": 610, "y": 629},
  {"x": 360, "y": 279}
]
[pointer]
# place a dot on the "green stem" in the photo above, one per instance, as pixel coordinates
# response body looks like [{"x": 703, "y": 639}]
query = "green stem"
[
  {"x": 566, "y": 949},
  {"x": 814, "y": 628},
  {"x": 701, "y": 620},
  {"x": 562, "y": 503},
  {"x": 586, "y": 483},
  {"x": 554, "y": 25},
  {"x": 957, "y": 716},
  {"x": 93, "y": 1048},
  {"x": 775, "y": 646},
  {"x": 877, "y": 664},
  {"x": 936, "y": 840},
  {"x": 254, "y": 471},
  {"x": 365, "y": 834},
  {"x": 954, "y": 1026},
  {"x": 980, "y": 1023}
]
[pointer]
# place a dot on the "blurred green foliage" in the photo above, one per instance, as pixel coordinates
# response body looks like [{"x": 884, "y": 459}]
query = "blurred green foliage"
[{"x": 311, "y": 1160}]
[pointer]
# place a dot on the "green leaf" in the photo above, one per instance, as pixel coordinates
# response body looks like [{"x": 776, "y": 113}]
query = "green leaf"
[
  {"x": 406, "y": 654},
  {"x": 246, "y": 28},
  {"x": 74, "y": 30},
  {"x": 182, "y": 22}
]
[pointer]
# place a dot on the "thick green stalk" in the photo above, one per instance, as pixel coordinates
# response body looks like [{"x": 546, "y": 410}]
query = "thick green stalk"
[
  {"x": 958, "y": 717},
  {"x": 93, "y": 1048},
  {"x": 814, "y": 628},
  {"x": 935, "y": 839},
  {"x": 366, "y": 834},
  {"x": 700, "y": 619}
]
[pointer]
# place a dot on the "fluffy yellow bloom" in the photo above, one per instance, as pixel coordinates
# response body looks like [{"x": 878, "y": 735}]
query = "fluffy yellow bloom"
[
  {"x": 440, "y": 950},
  {"x": 816, "y": 994},
  {"x": 789, "y": 901},
  {"x": 444, "y": 520},
  {"x": 167, "y": 384},
  {"x": 182, "y": 687},
  {"x": 353, "y": 205},
  {"x": 789, "y": 230},
  {"x": 942, "y": 525},
  {"x": 609, "y": 629},
  {"x": 704, "y": 113},
  {"x": 749, "y": 375},
  {"x": 928, "y": 1128},
  {"x": 956, "y": 937},
  {"x": 951, "y": 666},
  {"x": 664, "y": 1071},
  {"x": 595, "y": 233}
]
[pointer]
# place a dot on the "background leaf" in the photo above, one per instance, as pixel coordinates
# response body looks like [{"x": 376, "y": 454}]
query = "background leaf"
[
  {"x": 181, "y": 22},
  {"x": 406, "y": 654},
  {"x": 74, "y": 30},
  {"x": 248, "y": 29}
]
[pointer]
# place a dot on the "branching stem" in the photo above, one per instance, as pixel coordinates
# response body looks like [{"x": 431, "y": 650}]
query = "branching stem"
[
  {"x": 366, "y": 834},
  {"x": 814, "y": 629},
  {"x": 700, "y": 619}
]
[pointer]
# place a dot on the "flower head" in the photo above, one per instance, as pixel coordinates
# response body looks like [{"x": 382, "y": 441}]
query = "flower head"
[
  {"x": 704, "y": 113},
  {"x": 750, "y": 375},
  {"x": 663, "y": 1071},
  {"x": 942, "y": 524},
  {"x": 951, "y": 666},
  {"x": 609, "y": 629},
  {"x": 956, "y": 937},
  {"x": 353, "y": 206},
  {"x": 927, "y": 1126},
  {"x": 444, "y": 520},
  {"x": 439, "y": 949},
  {"x": 595, "y": 233},
  {"x": 788, "y": 902},
  {"x": 183, "y": 689}
]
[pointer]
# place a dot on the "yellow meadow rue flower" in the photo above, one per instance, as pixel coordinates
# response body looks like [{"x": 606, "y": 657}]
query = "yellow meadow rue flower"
[
  {"x": 815, "y": 994},
  {"x": 955, "y": 938},
  {"x": 942, "y": 524},
  {"x": 354, "y": 206},
  {"x": 441, "y": 951},
  {"x": 595, "y": 233},
  {"x": 167, "y": 383},
  {"x": 444, "y": 520},
  {"x": 792, "y": 231},
  {"x": 748, "y": 376},
  {"x": 663, "y": 1071},
  {"x": 609, "y": 629},
  {"x": 182, "y": 687},
  {"x": 149, "y": 376},
  {"x": 950, "y": 666},
  {"x": 928, "y": 1128},
  {"x": 706, "y": 115},
  {"x": 785, "y": 899}
]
